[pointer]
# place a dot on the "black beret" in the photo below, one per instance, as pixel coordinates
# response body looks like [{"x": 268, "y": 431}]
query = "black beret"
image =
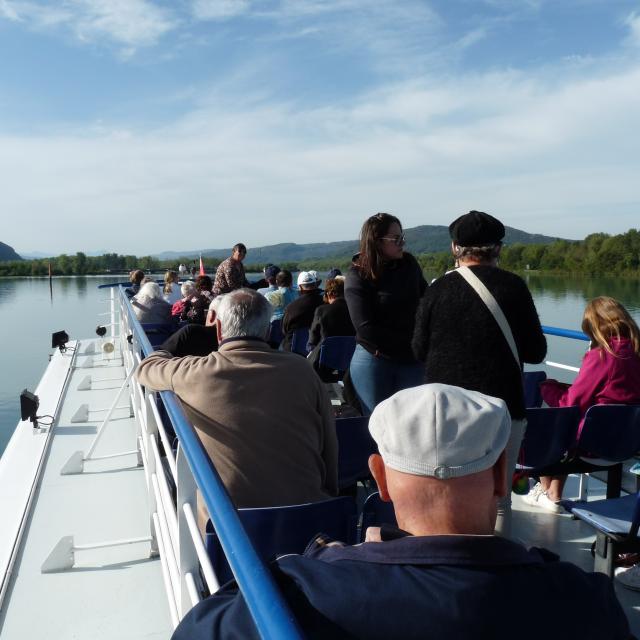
[{"x": 476, "y": 229}]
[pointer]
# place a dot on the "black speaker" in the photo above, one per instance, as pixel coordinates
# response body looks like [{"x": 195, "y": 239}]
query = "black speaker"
[{"x": 29, "y": 403}]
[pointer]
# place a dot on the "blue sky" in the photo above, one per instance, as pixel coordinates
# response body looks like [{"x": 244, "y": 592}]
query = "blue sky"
[{"x": 139, "y": 126}]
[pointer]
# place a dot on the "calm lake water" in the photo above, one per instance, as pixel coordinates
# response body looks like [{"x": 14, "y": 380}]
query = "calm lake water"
[{"x": 29, "y": 315}]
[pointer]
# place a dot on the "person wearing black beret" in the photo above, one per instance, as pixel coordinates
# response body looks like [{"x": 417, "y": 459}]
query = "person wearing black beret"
[{"x": 460, "y": 340}]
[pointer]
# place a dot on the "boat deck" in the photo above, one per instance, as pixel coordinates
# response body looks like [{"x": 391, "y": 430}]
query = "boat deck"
[
  {"x": 113, "y": 592},
  {"x": 570, "y": 539}
]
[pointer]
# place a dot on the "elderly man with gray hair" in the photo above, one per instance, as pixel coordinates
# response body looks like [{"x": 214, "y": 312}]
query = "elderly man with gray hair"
[
  {"x": 441, "y": 572},
  {"x": 263, "y": 415}
]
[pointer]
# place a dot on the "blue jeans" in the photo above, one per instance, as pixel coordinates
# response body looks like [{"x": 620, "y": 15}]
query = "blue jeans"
[{"x": 375, "y": 379}]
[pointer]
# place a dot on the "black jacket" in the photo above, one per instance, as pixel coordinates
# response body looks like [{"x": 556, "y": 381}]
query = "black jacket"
[
  {"x": 461, "y": 343},
  {"x": 383, "y": 311},
  {"x": 192, "y": 340},
  {"x": 330, "y": 320},
  {"x": 299, "y": 315}
]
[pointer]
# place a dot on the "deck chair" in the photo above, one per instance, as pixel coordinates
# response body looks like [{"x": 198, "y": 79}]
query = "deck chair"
[
  {"x": 616, "y": 522},
  {"x": 275, "y": 333},
  {"x": 549, "y": 436},
  {"x": 355, "y": 445},
  {"x": 336, "y": 352},
  {"x": 158, "y": 332},
  {"x": 611, "y": 435},
  {"x": 275, "y": 531},
  {"x": 299, "y": 341},
  {"x": 376, "y": 512},
  {"x": 531, "y": 386}
]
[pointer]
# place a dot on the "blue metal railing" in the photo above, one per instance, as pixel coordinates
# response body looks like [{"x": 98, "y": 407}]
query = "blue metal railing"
[
  {"x": 564, "y": 333},
  {"x": 271, "y": 615}
]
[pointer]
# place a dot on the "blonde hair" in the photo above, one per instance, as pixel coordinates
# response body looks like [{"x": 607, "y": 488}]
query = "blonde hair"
[
  {"x": 605, "y": 318},
  {"x": 169, "y": 278}
]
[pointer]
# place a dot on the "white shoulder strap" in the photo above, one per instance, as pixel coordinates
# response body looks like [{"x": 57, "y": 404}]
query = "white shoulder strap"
[{"x": 487, "y": 297}]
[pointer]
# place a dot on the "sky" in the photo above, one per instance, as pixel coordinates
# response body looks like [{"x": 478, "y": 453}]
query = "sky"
[{"x": 141, "y": 126}]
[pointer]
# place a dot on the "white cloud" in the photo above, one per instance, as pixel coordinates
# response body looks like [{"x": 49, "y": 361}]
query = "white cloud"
[
  {"x": 633, "y": 22},
  {"x": 127, "y": 23},
  {"x": 219, "y": 9}
]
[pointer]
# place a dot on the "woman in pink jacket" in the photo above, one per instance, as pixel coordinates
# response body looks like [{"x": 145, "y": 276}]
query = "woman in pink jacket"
[{"x": 610, "y": 374}]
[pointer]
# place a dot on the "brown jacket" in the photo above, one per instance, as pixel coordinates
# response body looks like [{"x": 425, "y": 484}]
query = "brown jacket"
[{"x": 263, "y": 416}]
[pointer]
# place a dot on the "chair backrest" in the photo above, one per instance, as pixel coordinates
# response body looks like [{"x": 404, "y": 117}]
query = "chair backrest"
[
  {"x": 275, "y": 531},
  {"x": 531, "y": 385},
  {"x": 158, "y": 332},
  {"x": 375, "y": 512},
  {"x": 549, "y": 435},
  {"x": 611, "y": 432},
  {"x": 336, "y": 352},
  {"x": 275, "y": 332},
  {"x": 355, "y": 445},
  {"x": 299, "y": 341}
]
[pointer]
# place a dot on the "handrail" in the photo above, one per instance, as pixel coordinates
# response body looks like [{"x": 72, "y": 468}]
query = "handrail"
[
  {"x": 564, "y": 333},
  {"x": 271, "y": 615}
]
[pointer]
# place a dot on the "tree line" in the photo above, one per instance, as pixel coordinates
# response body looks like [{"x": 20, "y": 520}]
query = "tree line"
[{"x": 597, "y": 254}]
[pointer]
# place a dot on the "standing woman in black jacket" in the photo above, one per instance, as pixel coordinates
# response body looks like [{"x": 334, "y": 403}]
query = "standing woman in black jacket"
[
  {"x": 460, "y": 341},
  {"x": 383, "y": 287}
]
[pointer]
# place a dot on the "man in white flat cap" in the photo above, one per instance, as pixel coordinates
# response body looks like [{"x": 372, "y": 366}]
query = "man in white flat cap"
[
  {"x": 441, "y": 572},
  {"x": 299, "y": 314}
]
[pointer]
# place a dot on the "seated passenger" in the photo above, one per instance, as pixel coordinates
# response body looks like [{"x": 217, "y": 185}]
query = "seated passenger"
[
  {"x": 330, "y": 319},
  {"x": 171, "y": 290},
  {"x": 299, "y": 314},
  {"x": 135, "y": 278},
  {"x": 149, "y": 305},
  {"x": 270, "y": 273},
  {"x": 194, "y": 339},
  {"x": 442, "y": 573},
  {"x": 283, "y": 296},
  {"x": 268, "y": 452},
  {"x": 188, "y": 290},
  {"x": 195, "y": 309},
  {"x": 610, "y": 374}
]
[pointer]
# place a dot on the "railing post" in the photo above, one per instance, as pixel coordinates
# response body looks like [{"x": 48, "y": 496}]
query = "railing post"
[{"x": 188, "y": 562}]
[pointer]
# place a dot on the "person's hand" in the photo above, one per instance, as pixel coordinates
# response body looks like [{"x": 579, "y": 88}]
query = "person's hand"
[{"x": 373, "y": 535}]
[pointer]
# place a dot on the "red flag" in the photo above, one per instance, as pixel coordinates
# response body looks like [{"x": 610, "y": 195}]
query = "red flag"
[{"x": 202, "y": 271}]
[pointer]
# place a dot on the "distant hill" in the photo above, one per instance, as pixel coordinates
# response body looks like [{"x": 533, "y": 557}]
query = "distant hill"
[
  {"x": 7, "y": 253},
  {"x": 422, "y": 239}
]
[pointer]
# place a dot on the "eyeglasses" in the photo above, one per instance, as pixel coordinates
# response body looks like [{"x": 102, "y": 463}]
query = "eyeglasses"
[{"x": 397, "y": 240}]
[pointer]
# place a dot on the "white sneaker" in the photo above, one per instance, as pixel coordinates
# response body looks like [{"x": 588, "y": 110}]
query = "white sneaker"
[
  {"x": 629, "y": 578},
  {"x": 544, "y": 502},
  {"x": 532, "y": 497}
]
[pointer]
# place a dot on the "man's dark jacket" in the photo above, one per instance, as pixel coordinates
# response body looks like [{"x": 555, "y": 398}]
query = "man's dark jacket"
[
  {"x": 462, "y": 587},
  {"x": 299, "y": 315}
]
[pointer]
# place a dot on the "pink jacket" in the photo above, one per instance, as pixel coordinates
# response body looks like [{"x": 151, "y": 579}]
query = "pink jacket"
[{"x": 603, "y": 379}]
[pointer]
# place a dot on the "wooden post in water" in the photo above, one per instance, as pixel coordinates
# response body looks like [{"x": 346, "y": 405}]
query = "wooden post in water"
[{"x": 50, "y": 283}]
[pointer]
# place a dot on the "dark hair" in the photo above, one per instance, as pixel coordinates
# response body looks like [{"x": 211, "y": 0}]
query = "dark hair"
[
  {"x": 334, "y": 287},
  {"x": 482, "y": 254},
  {"x": 204, "y": 283},
  {"x": 370, "y": 259},
  {"x": 239, "y": 247},
  {"x": 136, "y": 276},
  {"x": 284, "y": 278}
]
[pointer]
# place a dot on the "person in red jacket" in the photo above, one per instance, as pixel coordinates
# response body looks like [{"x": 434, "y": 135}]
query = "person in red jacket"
[{"x": 610, "y": 374}]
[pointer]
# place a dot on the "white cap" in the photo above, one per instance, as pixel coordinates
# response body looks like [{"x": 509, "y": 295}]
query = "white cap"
[
  {"x": 441, "y": 431},
  {"x": 308, "y": 278}
]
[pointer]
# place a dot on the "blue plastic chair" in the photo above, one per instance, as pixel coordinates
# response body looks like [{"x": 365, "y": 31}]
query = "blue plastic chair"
[
  {"x": 531, "y": 386},
  {"x": 336, "y": 352},
  {"x": 616, "y": 522},
  {"x": 355, "y": 445},
  {"x": 549, "y": 436},
  {"x": 299, "y": 341},
  {"x": 275, "y": 333},
  {"x": 158, "y": 332},
  {"x": 376, "y": 512},
  {"x": 275, "y": 531}
]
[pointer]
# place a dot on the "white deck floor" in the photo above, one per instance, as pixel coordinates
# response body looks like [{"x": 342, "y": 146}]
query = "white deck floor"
[
  {"x": 570, "y": 539},
  {"x": 111, "y": 592}
]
